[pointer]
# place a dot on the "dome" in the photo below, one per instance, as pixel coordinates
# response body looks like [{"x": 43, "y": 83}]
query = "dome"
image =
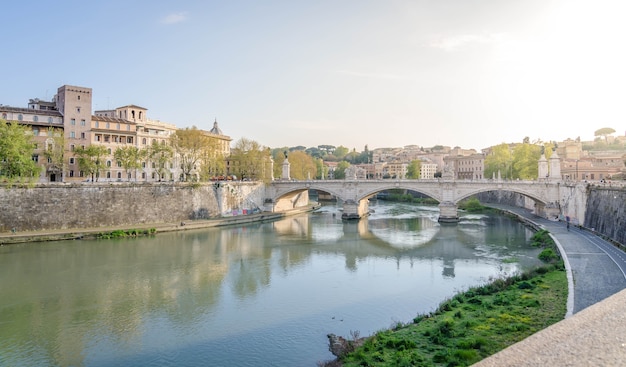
[{"x": 216, "y": 130}]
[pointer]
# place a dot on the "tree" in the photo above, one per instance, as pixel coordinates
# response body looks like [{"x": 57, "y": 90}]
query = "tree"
[
  {"x": 90, "y": 160},
  {"x": 250, "y": 160},
  {"x": 130, "y": 158},
  {"x": 213, "y": 161},
  {"x": 189, "y": 144},
  {"x": 54, "y": 151},
  {"x": 340, "y": 152},
  {"x": 604, "y": 132},
  {"x": 160, "y": 154},
  {"x": 322, "y": 170},
  {"x": 302, "y": 166},
  {"x": 413, "y": 170},
  {"x": 525, "y": 157},
  {"x": 340, "y": 171},
  {"x": 499, "y": 160},
  {"x": 16, "y": 152}
]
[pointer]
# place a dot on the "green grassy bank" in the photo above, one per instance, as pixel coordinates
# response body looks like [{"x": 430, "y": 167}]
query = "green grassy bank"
[{"x": 471, "y": 325}]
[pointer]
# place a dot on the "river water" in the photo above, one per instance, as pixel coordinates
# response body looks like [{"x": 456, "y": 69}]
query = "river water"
[{"x": 263, "y": 294}]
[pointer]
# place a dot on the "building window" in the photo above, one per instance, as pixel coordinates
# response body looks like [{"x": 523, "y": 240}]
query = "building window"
[
  {"x": 143, "y": 164},
  {"x": 81, "y": 174},
  {"x": 143, "y": 141},
  {"x": 153, "y": 165},
  {"x": 143, "y": 175},
  {"x": 128, "y": 127},
  {"x": 129, "y": 140},
  {"x": 119, "y": 175},
  {"x": 109, "y": 150},
  {"x": 97, "y": 124},
  {"x": 72, "y": 134},
  {"x": 36, "y": 131},
  {"x": 97, "y": 137},
  {"x": 73, "y": 122},
  {"x": 107, "y": 138},
  {"x": 49, "y": 119},
  {"x": 108, "y": 174},
  {"x": 82, "y": 135},
  {"x": 107, "y": 125},
  {"x": 35, "y": 158},
  {"x": 71, "y": 149},
  {"x": 72, "y": 160},
  {"x": 108, "y": 163},
  {"x": 35, "y": 118},
  {"x": 119, "y": 164},
  {"x": 118, "y": 125},
  {"x": 82, "y": 122},
  {"x": 71, "y": 173},
  {"x": 79, "y": 97},
  {"x": 77, "y": 109},
  {"x": 20, "y": 117}
]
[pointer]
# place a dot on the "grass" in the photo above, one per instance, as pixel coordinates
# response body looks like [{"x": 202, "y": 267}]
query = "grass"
[
  {"x": 474, "y": 324},
  {"x": 120, "y": 233},
  {"x": 471, "y": 325}
]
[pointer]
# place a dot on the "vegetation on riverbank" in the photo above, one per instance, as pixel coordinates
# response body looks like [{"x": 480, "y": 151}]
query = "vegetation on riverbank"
[
  {"x": 471, "y": 325},
  {"x": 120, "y": 233}
]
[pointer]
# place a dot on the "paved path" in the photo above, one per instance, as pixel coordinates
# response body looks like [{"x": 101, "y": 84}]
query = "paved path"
[
  {"x": 598, "y": 269},
  {"x": 595, "y": 335}
]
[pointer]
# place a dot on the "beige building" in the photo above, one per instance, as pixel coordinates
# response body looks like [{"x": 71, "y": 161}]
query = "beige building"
[
  {"x": 427, "y": 171},
  {"x": 69, "y": 117},
  {"x": 471, "y": 167}
]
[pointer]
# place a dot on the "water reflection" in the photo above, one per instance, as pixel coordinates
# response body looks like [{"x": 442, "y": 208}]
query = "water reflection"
[{"x": 146, "y": 300}]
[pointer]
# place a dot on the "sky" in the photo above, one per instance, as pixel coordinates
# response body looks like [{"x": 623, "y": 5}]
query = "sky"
[{"x": 381, "y": 73}]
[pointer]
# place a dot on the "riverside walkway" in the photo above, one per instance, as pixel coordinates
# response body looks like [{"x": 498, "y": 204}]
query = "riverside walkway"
[{"x": 594, "y": 332}]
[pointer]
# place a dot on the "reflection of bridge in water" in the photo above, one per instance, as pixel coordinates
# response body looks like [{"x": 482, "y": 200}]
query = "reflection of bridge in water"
[
  {"x": 357, "y": 240},
  {"x": 549, "y": 195}
]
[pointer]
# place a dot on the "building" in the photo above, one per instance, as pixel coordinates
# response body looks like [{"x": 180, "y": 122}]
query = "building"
[
  {"x": 428, "y": 170},
  {"x": 470, "y": 167},
  {"x": 67, "y": 120}
]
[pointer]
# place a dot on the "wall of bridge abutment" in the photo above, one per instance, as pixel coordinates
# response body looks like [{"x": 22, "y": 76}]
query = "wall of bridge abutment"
[{"x": 355, "y": 210}]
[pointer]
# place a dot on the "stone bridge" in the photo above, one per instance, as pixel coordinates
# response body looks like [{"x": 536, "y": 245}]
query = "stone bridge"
[{"x": 548, "y": 194}]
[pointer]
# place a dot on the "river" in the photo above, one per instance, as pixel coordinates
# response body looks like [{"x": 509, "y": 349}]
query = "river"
[{"x": 263, "y": 294}]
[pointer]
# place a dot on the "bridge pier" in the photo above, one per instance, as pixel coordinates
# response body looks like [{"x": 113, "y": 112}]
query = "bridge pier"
[
  {"x": 355, "y": 210},
  {"x": 448, "y": 212}
]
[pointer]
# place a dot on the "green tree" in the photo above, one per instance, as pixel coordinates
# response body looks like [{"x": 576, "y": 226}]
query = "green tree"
[
  {"x": 340, "y": 152},
  {"x": 500, "y": 159},
  {"x": 604, "y": 132},
  {"x": 130, "y": 158},
  {"x": 16, "y": 152},
  {"x": 189, "y": 144},
  {"x": 213, "y": 161},
  {"x": 413, "y": 170},
  {"x": 340, "y": 171},
  {"x": 160, "y": 154},
  {"x": 302, "y": 166},
  {"x": 322, "y": 170},
  {"x": 91, "y": 160},
  {"x": 249, "y": 159},
  {"x": 525, "y": 157}
]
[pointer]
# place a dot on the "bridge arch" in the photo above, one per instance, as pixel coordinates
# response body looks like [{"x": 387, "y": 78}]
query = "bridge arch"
[
  {"x": 426, "y": 191},
  {"x": 517, "y": 191}
]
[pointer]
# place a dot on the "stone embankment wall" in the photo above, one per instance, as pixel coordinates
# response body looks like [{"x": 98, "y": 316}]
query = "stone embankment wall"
[
  {"x": 606, "y": 212},
  {"x": 87, "y": 205}
]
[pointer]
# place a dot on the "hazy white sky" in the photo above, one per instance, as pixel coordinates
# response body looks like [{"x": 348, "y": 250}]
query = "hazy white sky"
[{"x": 469, "y": 73}]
